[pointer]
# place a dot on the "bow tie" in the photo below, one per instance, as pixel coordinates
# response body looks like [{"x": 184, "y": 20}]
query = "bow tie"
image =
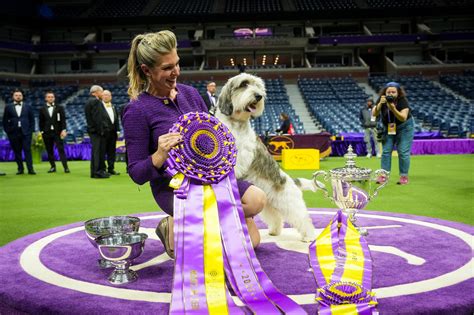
[
  {"x": 17, "y": 104},
  {"x": 108, "y": 104},
  {"x": 51, "y": 105}
]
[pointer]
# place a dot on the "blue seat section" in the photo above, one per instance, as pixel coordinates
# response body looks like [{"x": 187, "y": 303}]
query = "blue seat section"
[
  {"x": 277, "y": 102},
  {"x": 183, "y": 7},
  {"x": 324, "y": 5},
  {"x": 119, "y": 8},
  {"x": 434, "y": 108},
  {"x": 334, "y": 102},
  {"x": 462, "y": 84},
  {"x": 252, "y": 6},
  {"x": 400, "y": 4}
]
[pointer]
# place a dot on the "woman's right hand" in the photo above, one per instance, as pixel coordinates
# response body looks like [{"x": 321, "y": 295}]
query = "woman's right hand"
[
  {"x": 165, "y": 143},
  {"x": 383, "y": 100}
]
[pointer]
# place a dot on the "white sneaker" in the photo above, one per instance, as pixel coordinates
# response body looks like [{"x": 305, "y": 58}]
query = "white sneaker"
[
  {"x": 379, "y": 155},
  {"x": 369, "y": 156}
]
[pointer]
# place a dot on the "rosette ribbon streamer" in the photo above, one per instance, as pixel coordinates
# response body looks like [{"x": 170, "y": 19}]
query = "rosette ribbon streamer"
[
  {"x": 210, "y": 232},
  {"x": 342, "y": 267}
]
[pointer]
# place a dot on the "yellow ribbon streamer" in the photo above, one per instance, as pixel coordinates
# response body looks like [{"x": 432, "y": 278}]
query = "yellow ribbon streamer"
[
  {"x": 213, "y": 259},
  {"x": 324, "y": 253},
  {"x": 354, "y": 264}
]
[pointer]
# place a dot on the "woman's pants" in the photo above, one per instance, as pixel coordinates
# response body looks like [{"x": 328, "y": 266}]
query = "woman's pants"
[{"x": 403, "y": 140}]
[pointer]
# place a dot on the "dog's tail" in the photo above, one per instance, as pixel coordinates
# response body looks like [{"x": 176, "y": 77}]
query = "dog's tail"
[{"x": 306, "y": 184}]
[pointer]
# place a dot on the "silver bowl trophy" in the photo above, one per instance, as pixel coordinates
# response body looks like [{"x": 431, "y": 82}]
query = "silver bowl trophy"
[
  {"x": 352, "y": 187},
  {"x": 121, "y": 249},
  {"x": 109, "y": 225}
]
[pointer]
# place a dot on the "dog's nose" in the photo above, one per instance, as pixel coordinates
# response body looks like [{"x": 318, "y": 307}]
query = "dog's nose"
[{"x": 258, "y": 97}]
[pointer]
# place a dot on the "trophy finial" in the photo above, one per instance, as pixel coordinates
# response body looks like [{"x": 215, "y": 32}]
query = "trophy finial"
[{"x": 350, "y": 156}]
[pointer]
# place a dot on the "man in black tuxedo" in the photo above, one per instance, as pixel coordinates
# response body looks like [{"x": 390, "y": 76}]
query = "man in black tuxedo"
[
  {"x": 95, "y": 130},
  {"x": 52, "y": 123},
  {"x": 210, "y": 97},
  {"x": 19, "y": 124},
  {"x": 110, "y": 127}
]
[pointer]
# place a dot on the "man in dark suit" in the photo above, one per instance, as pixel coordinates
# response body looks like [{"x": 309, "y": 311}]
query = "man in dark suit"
[
  {"x": 95, "y": 130},
  {"x": 110, "y": 127},
  {"x": 52, "y": 123},
  {"x": 210, "y": 97},
  {"x": 19, "y": 124}
]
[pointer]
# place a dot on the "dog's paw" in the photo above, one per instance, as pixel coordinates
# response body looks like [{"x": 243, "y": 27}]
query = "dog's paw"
[
  {"x": 275, "y": 230},
  {"x": 307, "y": 239}
]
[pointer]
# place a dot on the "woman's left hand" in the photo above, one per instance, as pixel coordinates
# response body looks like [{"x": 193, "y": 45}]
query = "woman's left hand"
[{"x": 391, "y": 107}]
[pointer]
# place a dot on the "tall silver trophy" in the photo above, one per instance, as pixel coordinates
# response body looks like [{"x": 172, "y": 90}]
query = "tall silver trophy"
[{"x": 352, "y": 187}]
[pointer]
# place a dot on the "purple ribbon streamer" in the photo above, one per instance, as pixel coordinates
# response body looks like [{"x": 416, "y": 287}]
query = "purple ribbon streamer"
[{"x": 284, "y": 303}]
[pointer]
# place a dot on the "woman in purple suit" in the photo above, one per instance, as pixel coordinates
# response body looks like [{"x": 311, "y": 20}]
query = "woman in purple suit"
[{"x": 157, "y": 100}]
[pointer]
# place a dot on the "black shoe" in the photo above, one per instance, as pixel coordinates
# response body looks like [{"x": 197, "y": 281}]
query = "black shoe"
[
  {"x": 52, "y": 170},
  {"x": 20, "y": 172},
  {"x": 32, "y": 172},
  {"x": 112, "y": 172},
  {"x": 101, "y": 175},
  {"x": 2, "y": 174},
  {"x": 66, "y": 170}
]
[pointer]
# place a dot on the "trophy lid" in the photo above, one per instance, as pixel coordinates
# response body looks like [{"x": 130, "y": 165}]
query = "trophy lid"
[{"x": 350, "y": 172}]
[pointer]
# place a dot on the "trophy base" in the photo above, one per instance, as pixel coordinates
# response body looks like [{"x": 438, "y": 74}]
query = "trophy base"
[
  {"x": 352, "y": 217},
  {"x": 104, "y": 263},
  {"x": 121, "y": 276},
  {"x": 362, "y": 231}
]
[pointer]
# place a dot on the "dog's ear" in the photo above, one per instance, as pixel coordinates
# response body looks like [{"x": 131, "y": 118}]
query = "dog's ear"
[{"x": 224, "y": 102}]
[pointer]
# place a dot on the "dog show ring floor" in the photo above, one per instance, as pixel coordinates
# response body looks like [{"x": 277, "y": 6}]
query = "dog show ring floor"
[{"x": 420, "y": 266}]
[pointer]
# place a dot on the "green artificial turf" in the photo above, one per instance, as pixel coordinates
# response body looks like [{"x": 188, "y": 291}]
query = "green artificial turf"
[{"x": 440, "y": 186}]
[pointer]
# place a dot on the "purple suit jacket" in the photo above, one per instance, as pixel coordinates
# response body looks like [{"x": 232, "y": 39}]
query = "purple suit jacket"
[{"x": 144, "y": 120}]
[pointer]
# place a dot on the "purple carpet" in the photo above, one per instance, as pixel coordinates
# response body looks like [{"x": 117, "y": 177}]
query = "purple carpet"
[{"x": 421, "y": 266}]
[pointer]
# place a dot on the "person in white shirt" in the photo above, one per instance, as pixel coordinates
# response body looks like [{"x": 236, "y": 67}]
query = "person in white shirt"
[
  {"x": 19, "y": 125},
  {"x": 210, "y": 97},
  {"x": 111, "y": 130},
  {"x": 52, "y": 123}
]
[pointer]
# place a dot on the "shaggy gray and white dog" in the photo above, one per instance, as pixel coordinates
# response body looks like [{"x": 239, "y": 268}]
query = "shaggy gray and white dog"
[{"x": 243, "y": 98}]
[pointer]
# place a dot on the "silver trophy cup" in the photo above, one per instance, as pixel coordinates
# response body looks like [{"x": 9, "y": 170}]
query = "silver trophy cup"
[
  {"x": 120, "y": 250},
  {"x": 352, "y": 187},
  {"x": 109, "y": 225}
]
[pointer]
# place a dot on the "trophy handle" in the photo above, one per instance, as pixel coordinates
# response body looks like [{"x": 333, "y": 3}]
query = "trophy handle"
[
  {"x": 378, "y": 173},
  {"x": 319, "y": 184}
]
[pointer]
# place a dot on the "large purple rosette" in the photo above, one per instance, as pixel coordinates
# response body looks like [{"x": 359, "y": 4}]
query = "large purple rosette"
[
  {"x": 207, "y": 153},
  {"x": 204, "y": 159}
]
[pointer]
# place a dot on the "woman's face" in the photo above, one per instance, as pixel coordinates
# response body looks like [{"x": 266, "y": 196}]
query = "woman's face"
[
  {"x": 391, "y": 91},
  {"x": 164, "y": 74}
]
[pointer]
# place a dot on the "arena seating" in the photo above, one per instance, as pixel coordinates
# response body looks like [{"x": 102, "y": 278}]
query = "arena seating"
[
  {"x": 399, "y": 4},
  {"x": 119, "y": 8},
  {"x": 277, "y": 102},
  {"x": 334, "y": 102},
  {"x": 462, "y": 84},
  {"x": 324, "y": 5},
  {"x": 183, "y": 7},
  {"x": 252, "y": 6},
  {"x": 433, "y": 106}
]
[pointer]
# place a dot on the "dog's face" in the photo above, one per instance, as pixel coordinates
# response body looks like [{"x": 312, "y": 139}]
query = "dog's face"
[{"x": 242, "y": 97}]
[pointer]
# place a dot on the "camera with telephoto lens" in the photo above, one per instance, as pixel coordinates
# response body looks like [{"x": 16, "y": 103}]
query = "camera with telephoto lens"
[{"x": 390, "y": 98}]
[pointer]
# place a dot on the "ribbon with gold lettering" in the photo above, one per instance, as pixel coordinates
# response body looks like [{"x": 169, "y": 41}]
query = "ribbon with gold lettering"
[
  {"x": 342, "y": 267},
  {"x": 211, "y": 236}
]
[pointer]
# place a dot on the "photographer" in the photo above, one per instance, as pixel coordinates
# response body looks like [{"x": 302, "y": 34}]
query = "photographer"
[
  {"x": 369, "y": 123},
  {"x": 398, "y": 123}
]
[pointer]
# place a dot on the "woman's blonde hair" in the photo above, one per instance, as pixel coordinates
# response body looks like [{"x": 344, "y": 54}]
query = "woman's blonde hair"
[{"x": 146, "y": 48}]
